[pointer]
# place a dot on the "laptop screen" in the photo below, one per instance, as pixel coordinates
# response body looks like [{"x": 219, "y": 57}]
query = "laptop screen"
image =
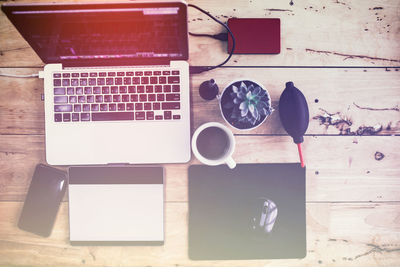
[{"x": 97, "y": 34}]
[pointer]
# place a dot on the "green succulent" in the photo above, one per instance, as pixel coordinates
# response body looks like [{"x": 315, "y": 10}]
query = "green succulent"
[{"x": 249, "y": 104}]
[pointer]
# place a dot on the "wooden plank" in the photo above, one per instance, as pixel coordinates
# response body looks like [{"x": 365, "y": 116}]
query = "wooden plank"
[
  {"x": 338, "y": 168},
  {"x": 364, "y": 98},
  {"x": 337, "y": 234},
  {"x": 313, "y": 33}
]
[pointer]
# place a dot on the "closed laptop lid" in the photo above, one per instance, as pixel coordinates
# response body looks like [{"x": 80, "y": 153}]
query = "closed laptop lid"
[{"x": 104, "y": 33}]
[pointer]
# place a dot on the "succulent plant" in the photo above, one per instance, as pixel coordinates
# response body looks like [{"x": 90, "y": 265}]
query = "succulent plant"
[{"x": 249, "y": 104}]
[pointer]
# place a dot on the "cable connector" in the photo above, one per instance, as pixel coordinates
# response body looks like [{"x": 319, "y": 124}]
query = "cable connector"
[
  {"x": 223, "y": 36},
  {"x": 198, "y": 69}
]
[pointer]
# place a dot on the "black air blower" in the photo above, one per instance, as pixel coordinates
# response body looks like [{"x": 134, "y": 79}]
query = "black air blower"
[{"x": 293, "y": 111}]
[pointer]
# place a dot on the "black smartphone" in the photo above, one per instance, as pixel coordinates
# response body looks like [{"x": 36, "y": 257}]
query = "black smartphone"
[{"x": 43, "y": 200}]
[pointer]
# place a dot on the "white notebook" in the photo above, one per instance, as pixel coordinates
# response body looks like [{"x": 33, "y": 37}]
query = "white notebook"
[{"x": 114, "y": 205}]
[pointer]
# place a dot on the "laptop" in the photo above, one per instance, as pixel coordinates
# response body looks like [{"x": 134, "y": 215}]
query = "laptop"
[{"x": 116, "y": 80}]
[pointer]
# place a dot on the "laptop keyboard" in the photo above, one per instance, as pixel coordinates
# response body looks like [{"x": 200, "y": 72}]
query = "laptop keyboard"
[{"x": 116, "y": 95}]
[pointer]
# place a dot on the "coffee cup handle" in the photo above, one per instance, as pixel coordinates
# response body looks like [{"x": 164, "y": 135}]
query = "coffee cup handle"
[{"x": 231, "y": 163}]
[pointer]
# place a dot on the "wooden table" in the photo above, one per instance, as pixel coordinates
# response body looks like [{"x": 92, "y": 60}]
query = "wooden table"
[{"x": 344, "y": 55}]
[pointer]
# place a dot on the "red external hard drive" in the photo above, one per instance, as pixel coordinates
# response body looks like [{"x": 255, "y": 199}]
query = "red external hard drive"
[{"x": 255, "y": 35}]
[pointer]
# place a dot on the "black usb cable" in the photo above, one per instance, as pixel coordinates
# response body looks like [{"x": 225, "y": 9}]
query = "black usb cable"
[{"x": 220, "y": 36}]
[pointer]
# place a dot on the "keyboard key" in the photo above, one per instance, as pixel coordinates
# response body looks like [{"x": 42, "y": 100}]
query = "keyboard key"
[
  {"x": 143, "y": 98},
  {"x": 125, "y": 98},
  {"x": 94, "y": 107},
  {"x": 103, "y": 107},
  {"x": 77, "y": 108},
  {"x": 167, "y": 115},
  {"x": 160, "y": 97},
  {"x": 172, "y": 97},
  {"x": 66, "y": 117},
  {"x": 81, "y": 99},
  {"x": 129, "y": 106},
  {"x": 120, "y": 73},
  {"x": 132, "y": 89},
  {"x": 173, "y": 79},
  {"x": 138, "y": 106},
  {"x": 176, "y": 117},
  {"x": 144, "y": 80},
  {"x": 62, "y": 108},
  {"x": 57, "y": 82},
  {"x": 93, "y": 74},
  {"x": 79, "y": 90},
  {"x": 122, "y": 89},
  {"x": 96, "y": 90},
  {"x": 162, "y": 80},
  {"x": 102, "y": 74},
  {"x": 112, "y": 107},
  {"x": 74, "y": 82},
  {"x": 175, "y": 72},
  {"x": 153, "y": 80},
  {"x": 84, "y": 74},
  {"x": 114, "y": 89},
  {"x": 57, "y": 117},
  {"x": 156, "y": 106},
  {"x": 176, "y": 88},
  {"x": 90, "y": 98},
  {"x": 92, "y": 81},
  {"x": 65, "y": 82},
  {"x": 86, "y": 107},
  {"x": 75, "y": 116},
  {"x": 59, "y": 91},
  {"x": 147, "y": 106},
  {"x": 83, "y": 82},
  {"x": 156, "y": 72},
  {"x": 107, "y": 98},
  {"x": 118, "y": 81},
  {"x": 150, "y": 115},
  {"x": 140, "y": 89},
  {"x": 134, "y": 98},
  {"x": 139, "y": 73},
  {"x": 121, "y": 107},
  {"x": 66, "y": 75},
  {"x": 151, "y": 97},
  {"x": 167, "y": 88},
  {"x": 166, "y": 72},
  {"x": 61, "y": 99},
  {"x": 116, "y": 98},
  {"x": 85, "y": 116},
  {"x": 105, "y": 90},
  {"x": 147, "y": 73},
  {"x": 140, "y": 115},
  {"x": 170, "y": 105},
  {"x": 135, "y": 80},
  {"x": 158, "y": 88},
  {"x": 75, "y": 74},
  {"x": 159, "y": 117},
  {"x": 111, "y": 74},
  {"x": 72, "y": 99},
  {"x": 129, "y": 73},
  {"x": 109, "y": 81},
  {"x": 112, "y": 116},
  {"x": 101, "y": 81},
  {"x": 127, "y": 80},
  {"x": 70, "y": 90},
  {"x": 99, "y": 98},
  {"x": 56, "y": 75},
  {"x": 88, "y": 90}
]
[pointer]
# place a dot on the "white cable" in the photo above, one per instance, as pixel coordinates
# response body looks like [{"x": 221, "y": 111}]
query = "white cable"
[{"x": 19, "y": 76}]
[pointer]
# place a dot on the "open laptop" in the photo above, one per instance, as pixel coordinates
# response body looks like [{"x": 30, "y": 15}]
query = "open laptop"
[{"x": 116, "y": 79}]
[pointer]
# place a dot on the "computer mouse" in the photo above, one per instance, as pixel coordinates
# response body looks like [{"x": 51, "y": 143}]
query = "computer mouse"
[{"x": 265, "y": 215}]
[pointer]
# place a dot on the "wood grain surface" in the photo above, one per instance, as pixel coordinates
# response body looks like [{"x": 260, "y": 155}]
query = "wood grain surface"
[{"x": 345, "y": 57}]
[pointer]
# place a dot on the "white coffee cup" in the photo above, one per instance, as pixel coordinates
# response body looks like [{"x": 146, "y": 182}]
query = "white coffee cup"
[{"x": 225, "y": 156}]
